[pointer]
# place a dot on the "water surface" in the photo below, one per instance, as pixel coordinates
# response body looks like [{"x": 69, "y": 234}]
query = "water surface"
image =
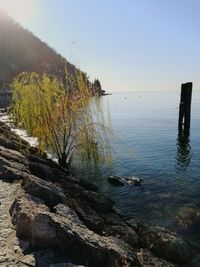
[{"x": 147, "y": 145}]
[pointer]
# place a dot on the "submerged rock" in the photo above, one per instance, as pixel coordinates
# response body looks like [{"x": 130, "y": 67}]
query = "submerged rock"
[
  {"x": 117, "y": 181},
  {"x": 187, "y": 221},
  {"x": 163, "y": 243},
  {"x": 121, "y": 181}
]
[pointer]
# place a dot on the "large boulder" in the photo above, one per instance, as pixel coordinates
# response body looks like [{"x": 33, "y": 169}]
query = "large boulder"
[
  {"x": 44, "y": 171},
  {"x": 12, "y": 141},
  {"x": 65, "y": 211},
  {"x": 35, "y": 158},
  {"x": 45, "y": 190},
  {"x": 91, "y": 218},
  {"x": 81, "y": 244},
  {"x": 163, "y": 243},
  {"x": 13, "y": 156},
  {"x": 68, "y": 233},
  {"x": 76, "y": 199},
  {"x": 7, "y": 143},
  {"x": 116, "y": 226},
  {"x": 23, "y": 211},
  {"x": 10, "y": 174},
  {"x": 13, "y": 164}
]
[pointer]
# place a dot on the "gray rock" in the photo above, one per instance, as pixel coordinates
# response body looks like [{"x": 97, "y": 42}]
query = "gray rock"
[
  {"x": 65, "y": 211},
  {"x": 40, "y": 258},
  {"x": 65, "y": 231},
  {"x": 34, "y": 158},
  {"x": 45, "y": 190},
  {"x": 45, "y": 172},
  {"x": 12, "y": 141},
  {"x": 88, "y": 185},
  {"x": 77, "y": 200},
  {"x": 116, "y": 180},
  {"x": 23, "y": 211},
  {"x": 12, "y": 155},
  {"x": 13, "y": 165},
  {"x": 43, "y": 231},
  {"x": 125, "y": 233},
  {"x": 79, "y": 242},
  {"x": 90, "y": 218},
  {"x": 98, "y": 202},
  {"x": 121, "y": 181},
  {"x": 116, "y": 226},
  {"x": 9, "y": 174},
  {"x": 147, "y": 259}
]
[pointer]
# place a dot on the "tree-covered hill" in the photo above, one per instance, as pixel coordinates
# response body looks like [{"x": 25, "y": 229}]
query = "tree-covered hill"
[{"x": 21, "y": 51}]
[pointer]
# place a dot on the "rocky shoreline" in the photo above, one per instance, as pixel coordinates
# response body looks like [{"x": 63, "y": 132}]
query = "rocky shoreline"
[{"x": 59, "y": 220}]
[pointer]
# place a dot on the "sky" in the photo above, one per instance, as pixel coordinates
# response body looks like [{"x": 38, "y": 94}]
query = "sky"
[{"x": 130, "y": 45}]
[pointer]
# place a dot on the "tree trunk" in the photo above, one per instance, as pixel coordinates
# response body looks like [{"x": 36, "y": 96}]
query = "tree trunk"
[{"x": 62, "y": 161}]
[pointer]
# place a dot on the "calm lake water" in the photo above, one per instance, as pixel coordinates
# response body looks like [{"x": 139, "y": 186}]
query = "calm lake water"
[{"x": 147, "y": 146}]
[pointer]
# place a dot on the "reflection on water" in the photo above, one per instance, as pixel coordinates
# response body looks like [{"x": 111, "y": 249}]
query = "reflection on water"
[
  {"x": 167, "y": 162},
  {"x": 183, "y": 156}
]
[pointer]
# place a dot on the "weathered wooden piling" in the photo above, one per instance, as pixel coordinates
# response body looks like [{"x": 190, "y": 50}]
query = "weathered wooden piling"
[
  {"x": 185, "y": 107},
  {"x": 183, "y": 156}
]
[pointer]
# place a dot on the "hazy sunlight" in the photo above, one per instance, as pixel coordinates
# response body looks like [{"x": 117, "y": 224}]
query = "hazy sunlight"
[{"x": 20, "y": 10}]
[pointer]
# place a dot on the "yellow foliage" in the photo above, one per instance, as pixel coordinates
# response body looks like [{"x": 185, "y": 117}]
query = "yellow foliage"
[{"x": 64, "y": 117}]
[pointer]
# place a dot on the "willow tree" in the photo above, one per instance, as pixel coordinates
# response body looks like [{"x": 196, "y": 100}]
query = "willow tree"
[{"x": 62, "y": 117}]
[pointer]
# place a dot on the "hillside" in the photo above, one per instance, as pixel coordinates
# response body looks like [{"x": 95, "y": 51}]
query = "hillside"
[{"x": 21, "y": 51}]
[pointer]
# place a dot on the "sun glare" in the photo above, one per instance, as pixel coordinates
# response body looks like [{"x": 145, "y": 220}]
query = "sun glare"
[{"x": 20, "y": 10}]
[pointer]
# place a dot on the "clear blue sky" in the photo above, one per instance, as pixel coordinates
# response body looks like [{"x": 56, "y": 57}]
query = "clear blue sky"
[{"x": 130, "y": 45}]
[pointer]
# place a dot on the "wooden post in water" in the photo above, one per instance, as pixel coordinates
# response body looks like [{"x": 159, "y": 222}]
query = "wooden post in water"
[{"x": 185, "y": 107}]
